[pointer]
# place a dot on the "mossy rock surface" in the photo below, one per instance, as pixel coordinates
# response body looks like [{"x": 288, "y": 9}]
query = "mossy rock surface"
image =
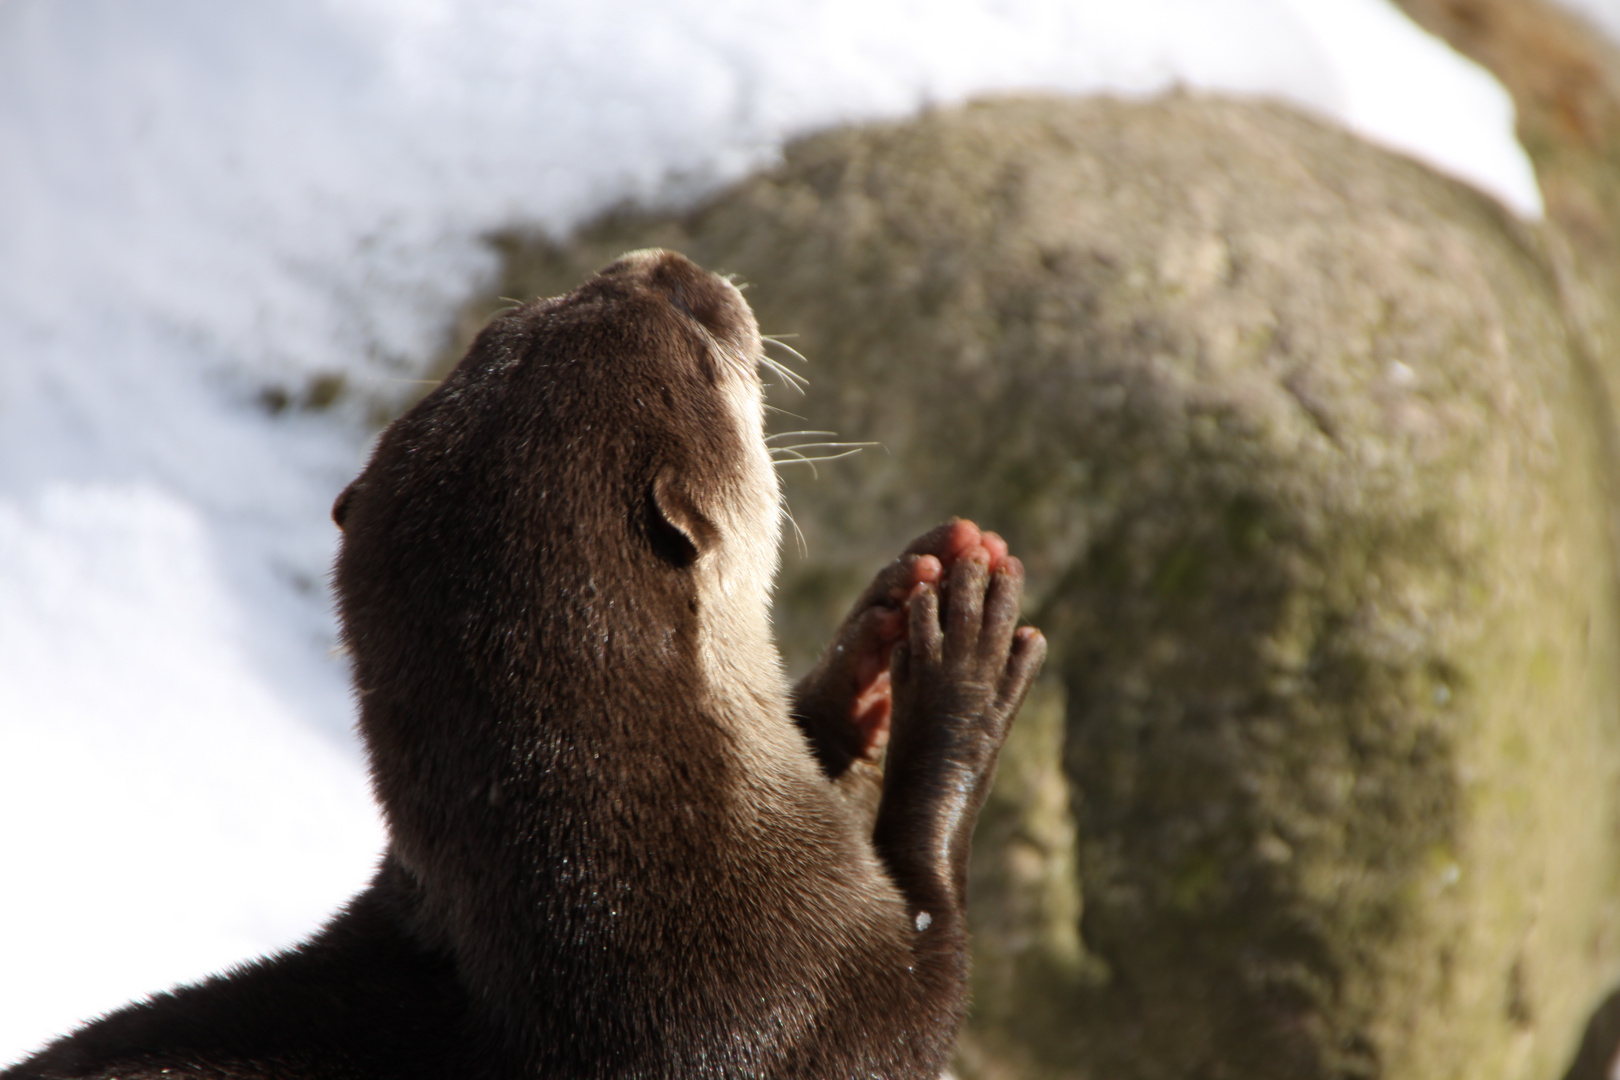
[{"x": 1288, "y": 430}]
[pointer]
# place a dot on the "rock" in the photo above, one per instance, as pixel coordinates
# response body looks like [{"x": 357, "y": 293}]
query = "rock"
[
  {"x": 1564, "y": 75},
  {"x": 1308, "y": 477}
]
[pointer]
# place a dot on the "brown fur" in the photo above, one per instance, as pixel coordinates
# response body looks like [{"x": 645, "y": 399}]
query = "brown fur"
[{"x": 613, "y": 853}]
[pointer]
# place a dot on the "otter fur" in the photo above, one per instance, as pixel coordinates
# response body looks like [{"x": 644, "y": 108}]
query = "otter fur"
[{"x": 621, "y": 846}]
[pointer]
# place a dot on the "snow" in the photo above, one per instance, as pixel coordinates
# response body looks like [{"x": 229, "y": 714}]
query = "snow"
[
  {"x": 1603, "y": 14},
  {"x": 199, "y": 201}
]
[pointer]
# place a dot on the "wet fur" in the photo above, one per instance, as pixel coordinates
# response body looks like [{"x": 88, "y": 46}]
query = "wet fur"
[{"x": 613, "y": 852}]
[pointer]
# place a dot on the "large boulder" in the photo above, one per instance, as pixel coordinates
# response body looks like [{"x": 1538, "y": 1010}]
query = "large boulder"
[
  {"x": 1292, "y": 437},
  {"x": 1564, "y": 75}
]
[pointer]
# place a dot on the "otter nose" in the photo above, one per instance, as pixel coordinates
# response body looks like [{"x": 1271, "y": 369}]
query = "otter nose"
[{"x": 707, "y": 298}]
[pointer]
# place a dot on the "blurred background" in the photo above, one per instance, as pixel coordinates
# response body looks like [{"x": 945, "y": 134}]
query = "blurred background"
[{"x": 234, "y": 239}]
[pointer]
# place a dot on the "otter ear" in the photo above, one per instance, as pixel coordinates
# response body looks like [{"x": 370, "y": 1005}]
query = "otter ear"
[
  {"x": 679, "y": 530},
  {"x": 340, "y": 508}
]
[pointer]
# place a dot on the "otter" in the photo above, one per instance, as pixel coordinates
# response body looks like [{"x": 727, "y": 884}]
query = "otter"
[{"x": 620, "y": 845}]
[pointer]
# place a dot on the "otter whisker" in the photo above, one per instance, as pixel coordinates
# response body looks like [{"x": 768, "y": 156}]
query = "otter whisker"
[
  {"x": 785, "y": 434},
  {"x": 777, "y": 340},
  {"x": 801, "y": 460},
  {"x": 784, "y": 412},
  {"x": 777, "y": 365},
  {"x": 824, "y": 457},
  {"x": 804, "y": 548},
  {"x": 792, "y": 378},
  {"x": 822, "y": 445},
  {"x": 804, "y": 459}
]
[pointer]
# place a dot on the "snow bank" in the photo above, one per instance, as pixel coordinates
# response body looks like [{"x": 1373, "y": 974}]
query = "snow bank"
[
  {"x": 1604, "y": 14},
  {"x": 199, "y": 201}
]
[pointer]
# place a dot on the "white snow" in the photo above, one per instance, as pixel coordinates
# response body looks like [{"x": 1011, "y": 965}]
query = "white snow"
[
  {"x": 199, "y": 200},
  {"x": 1603, "y": 14}
]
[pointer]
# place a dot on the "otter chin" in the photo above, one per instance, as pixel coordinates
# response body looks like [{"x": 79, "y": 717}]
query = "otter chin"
[{"x": 620, "y": 843}]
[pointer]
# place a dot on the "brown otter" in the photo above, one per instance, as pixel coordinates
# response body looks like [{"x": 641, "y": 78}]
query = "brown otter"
[{"x": 619, "y": 846}]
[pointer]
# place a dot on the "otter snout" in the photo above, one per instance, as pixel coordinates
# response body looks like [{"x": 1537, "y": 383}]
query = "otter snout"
[{"x": 708, "y": 299}]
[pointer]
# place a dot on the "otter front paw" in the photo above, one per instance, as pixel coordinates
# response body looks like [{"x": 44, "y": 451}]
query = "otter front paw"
[
  {"x": 956, "y": 681},
  {"x": 844, "y": 703}
]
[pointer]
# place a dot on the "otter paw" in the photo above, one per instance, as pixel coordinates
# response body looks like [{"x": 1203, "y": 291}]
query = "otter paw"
[
  {"x": 845, "y": 703},
  {"x": 965, "y": 667}
]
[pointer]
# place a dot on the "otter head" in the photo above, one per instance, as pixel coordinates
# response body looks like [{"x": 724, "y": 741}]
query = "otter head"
[
  {"x": 723, "y": 520},
  {"x": 570, "y": 542}
]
